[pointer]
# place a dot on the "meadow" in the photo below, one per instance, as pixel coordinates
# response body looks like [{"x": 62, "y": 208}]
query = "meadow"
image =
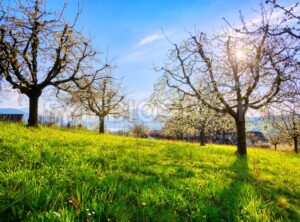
[{"x": 50, "y": 174}]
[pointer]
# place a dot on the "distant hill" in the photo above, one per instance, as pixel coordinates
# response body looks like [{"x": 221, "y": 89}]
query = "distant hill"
[
  {"x": 111, "y": 124},
  {"x": 254, "y": 123}
]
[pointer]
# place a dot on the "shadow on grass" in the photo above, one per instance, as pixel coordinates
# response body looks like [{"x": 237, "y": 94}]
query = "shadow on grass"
[
  {"x": 230, "y": 198},
  {"x": 244, "y": 199},
  {"x": 135, "y": 193},
  {"x": 249, "y": 199}
]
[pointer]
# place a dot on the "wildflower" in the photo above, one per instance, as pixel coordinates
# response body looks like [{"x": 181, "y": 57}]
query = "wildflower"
[
  {"x": 282, "y": 202},
  {"x": 89, "y": 214},
  {"x": 144, "y": 204}
]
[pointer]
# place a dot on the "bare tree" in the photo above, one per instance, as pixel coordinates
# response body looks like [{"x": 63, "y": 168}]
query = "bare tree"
[
  {"x": 42, "y": 49},
  {"x": 289, "y": 23},
  {"x": 282, "y": 22},
  {"x": 172, "y": 113},
  {"x": 138, "y": 129},
  {"x": 198, "y": 117},
  {"x": 3, "y": 61},
  {"x": 240, "y": 72},
  {"x": 186, "y": 120},
  {"x": 183, "y": 114},
  {"x": 287, "y": 26},
  {"x": 275, "y": 137},
  {"x": 206, "y": 121},
  {"x": 175, "y": 128},
  {"x": 105, "y": 97},
  {"x": 285, "y": 118},
  {"x": 175, "y": 124}
]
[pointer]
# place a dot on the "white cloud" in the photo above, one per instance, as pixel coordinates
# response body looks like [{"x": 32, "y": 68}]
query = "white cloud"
[
  {"x": 146, "y": 53},
  {"x": 150, "y": 38}
]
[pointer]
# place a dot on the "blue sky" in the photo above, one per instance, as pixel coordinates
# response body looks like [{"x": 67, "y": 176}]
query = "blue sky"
[{"x": 131, "y": 32}]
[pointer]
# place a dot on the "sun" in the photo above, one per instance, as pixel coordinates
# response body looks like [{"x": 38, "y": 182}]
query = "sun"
[{"x": 240, "y": 55}]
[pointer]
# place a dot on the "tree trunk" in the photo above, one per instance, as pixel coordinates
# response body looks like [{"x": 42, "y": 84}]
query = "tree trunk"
[
  {"x": 202, "y": 137},
  {"x": 275, "y": 146},
  {"x": 33, "y": 108},
  {"x": 296, "y": 144},
  {"x": 101, "y": 125},
  {"x": 241, "y": 135},
  {"x": 223, "y": 137}
]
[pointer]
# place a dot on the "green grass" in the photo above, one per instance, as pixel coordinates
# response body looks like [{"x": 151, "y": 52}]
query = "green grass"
[{"x": 62, "y": 175}]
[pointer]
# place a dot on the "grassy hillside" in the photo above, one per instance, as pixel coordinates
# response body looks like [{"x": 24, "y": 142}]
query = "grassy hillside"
[{"x": 60, "y": 175}]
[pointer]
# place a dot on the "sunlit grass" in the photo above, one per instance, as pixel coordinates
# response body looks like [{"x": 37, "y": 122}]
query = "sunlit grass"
[{"x": 61, "y": 175}]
